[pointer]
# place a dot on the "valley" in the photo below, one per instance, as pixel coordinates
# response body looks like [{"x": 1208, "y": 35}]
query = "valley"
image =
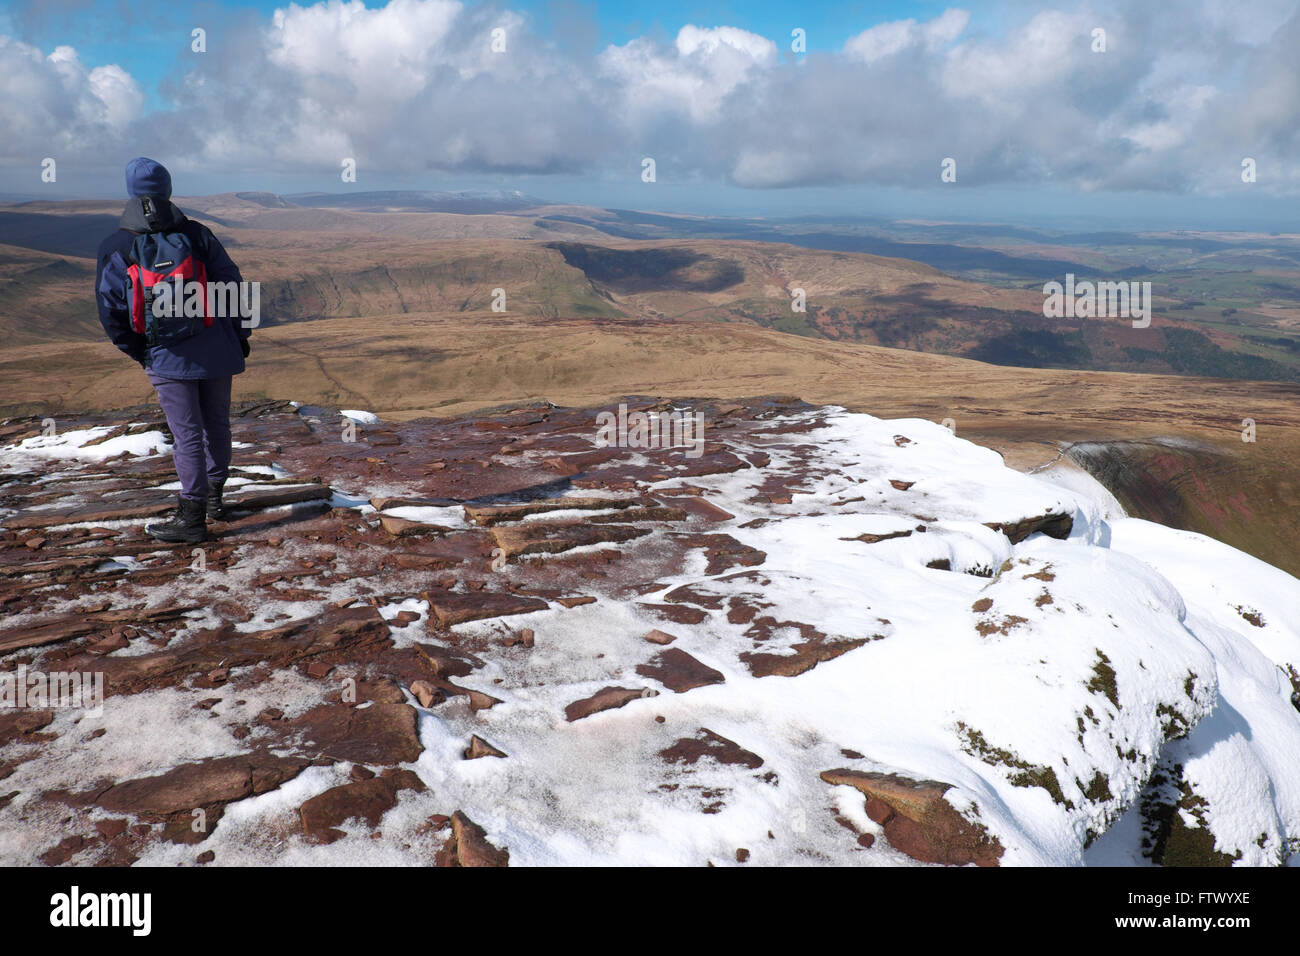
[{"x": 386, "y": 304}]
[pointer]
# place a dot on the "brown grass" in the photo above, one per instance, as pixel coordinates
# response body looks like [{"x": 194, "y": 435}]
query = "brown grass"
[{"x": 407, "y": 366}]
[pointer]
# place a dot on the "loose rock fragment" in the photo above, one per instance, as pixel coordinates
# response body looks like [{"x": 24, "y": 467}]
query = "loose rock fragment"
[
  {"x": 478, "y": 747},
  {"x": 607, "y": 698},
  {"x": 918, "y": 820},
  {"x": 427, "y": 694},
  {"x": 469, "y": 846}
]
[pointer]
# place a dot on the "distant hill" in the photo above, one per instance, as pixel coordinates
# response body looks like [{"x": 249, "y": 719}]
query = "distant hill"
[
  {"x": 466, "y": 203},
  {"x": 324, "y": 255}
]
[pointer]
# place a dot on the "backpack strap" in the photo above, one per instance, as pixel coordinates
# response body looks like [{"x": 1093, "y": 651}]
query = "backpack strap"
[{"x": 135, "y": 280}]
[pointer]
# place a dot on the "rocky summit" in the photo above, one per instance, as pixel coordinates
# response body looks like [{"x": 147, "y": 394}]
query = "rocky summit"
[{"x": 818, "y": 637}]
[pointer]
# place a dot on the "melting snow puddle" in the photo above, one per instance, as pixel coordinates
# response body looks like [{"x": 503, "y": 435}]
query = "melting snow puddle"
[
  {"x": 121, "y": 562},
  {"x": 360, "y": 503}
]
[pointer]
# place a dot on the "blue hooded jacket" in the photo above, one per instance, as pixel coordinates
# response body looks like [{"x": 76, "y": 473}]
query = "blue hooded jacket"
[{"x": 213, "y": 353}]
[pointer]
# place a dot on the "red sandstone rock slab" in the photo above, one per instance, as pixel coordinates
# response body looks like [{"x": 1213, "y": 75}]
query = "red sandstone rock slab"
[
  {"x": 815, "y": 648},
  {"x": 679, "y": 671},
  {"x": 81, "y": 625},
  {"x": 541, "y": 537},
  {"x": 704, "y": 509},
  {"x": 452, "y": 607},
  {"x": 715, "y": 747},
  {"x": 478, "y": 748},
  {"x": 366, "y": 799},
  {"x": 678, "y": 613},
  {"x": 607, "y": 698},
  {"x": 919, "y": 821},
  {"x": 377, "y": 734},
  {"x": 629, "y": 515},
  {"x": 404, "y": 527},
  {"x": 721, "y": 551},
  {"x": 495, "y": 514},
  {"x": 1052, "y": 525},
  {"x": 469, "y": 846},
  {"x": 355, "y": 633},
  {"x": 14, "y": 724},
  {"x": 201, "y": 785},
  {"x": 259, "y": 500},
  {"x": 121, "y": 508}
]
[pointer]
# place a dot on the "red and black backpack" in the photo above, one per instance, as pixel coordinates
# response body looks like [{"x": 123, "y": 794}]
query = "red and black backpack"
[{"x": 161, "y": 257}]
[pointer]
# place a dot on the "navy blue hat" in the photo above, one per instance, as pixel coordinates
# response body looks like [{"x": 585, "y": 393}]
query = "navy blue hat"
[{"x": 147, "y": 177}]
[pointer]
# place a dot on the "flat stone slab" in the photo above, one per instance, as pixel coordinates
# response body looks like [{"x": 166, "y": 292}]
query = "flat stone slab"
[
  {"x": 679, "y": 671},
  {"x": 608, "y": 698},
  {"x": 918, "y": 820},
  {"x": 538, "y": 537}
]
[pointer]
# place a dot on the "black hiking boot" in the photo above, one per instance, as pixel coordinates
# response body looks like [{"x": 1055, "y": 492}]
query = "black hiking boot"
[
  {"x": 216, "y": 507},
  {"x": 186, "y": 525}
]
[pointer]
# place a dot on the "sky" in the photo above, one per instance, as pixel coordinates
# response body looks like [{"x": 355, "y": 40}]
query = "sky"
[{"x": 567, "y": 100}]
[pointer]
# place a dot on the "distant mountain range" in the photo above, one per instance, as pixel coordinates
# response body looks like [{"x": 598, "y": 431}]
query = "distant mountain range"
[
  {"x": 468, "y": 202},
  {"x": 1225, "y": 306}
]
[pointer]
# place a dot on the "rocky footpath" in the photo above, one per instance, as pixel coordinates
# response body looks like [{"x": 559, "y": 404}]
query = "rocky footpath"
[{"x": 489, "y": 641}]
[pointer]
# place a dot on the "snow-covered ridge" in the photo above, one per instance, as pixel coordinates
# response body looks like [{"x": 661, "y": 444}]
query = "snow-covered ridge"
[
  {"x": 1048, "y": 694},
  {"x": 874, "y": 605}
]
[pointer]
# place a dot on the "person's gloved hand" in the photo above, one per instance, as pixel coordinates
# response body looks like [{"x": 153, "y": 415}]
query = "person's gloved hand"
[{"x": 244, "y": 347}]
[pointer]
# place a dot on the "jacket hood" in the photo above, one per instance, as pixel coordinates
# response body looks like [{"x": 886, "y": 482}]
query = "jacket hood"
[{"x": 150, "y": 214}]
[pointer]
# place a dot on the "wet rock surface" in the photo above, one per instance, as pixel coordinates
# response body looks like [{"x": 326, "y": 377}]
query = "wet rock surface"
[
  {"x": 323, "y": 533},
  {"x": 379, "y": 615}
]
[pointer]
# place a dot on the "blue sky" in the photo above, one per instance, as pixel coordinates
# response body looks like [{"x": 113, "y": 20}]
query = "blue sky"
[
  {"x": 1152, "y": 130},
  {"x": 93, "y": 26}
]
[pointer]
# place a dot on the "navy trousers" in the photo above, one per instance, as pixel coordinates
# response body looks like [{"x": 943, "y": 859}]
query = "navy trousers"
[{"x": 198, "y": 413}]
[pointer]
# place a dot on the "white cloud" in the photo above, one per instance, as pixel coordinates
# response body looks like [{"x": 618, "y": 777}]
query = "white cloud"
[
  {"x": 118, "y": 92},
  {"x": 53, "y": 106},
  {"x": 694, "y": 77},
  {"x": 386, "y": 53},
  {"x": 887, "y": 39},
  {"x": 1180, "y": 96}
]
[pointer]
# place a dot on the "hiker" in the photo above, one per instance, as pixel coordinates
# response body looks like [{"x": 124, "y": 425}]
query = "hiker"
[{"x": 189, "y": 359}]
